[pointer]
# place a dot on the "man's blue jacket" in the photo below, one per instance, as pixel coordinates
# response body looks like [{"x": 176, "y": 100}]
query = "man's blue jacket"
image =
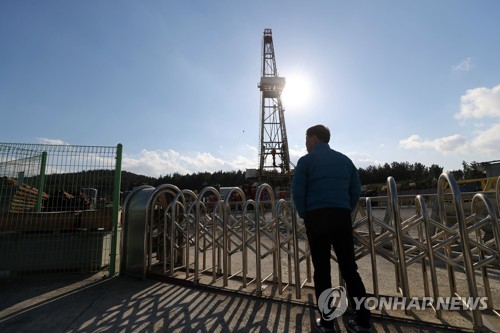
[{"x": 325, "y": 178}]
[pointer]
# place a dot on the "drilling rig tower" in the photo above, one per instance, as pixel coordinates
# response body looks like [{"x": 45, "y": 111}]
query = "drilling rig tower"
[{"x": 274, "y": 157}]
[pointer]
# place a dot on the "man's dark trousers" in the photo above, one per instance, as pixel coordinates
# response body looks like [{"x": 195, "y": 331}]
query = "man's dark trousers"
[{"x": 327, "y": 227}]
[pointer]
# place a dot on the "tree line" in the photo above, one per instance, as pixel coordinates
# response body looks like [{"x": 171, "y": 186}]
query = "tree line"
[
  {"x": 408, "y": 175},
  {"x": 195, "y": 181},
  {"x": 416, "y": 175}
]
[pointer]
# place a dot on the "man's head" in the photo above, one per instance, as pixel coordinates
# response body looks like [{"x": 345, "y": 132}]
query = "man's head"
[{"x": 316, "y": 134}]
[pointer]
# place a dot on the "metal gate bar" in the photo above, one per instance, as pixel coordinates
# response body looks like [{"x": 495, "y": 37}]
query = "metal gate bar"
[{"x": 267, "y": 243}]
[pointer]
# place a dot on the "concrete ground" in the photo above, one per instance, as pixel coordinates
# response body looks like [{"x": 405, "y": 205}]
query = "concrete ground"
[
  {"x": 76, "y": 303},
  {"x": 124, "y": 304}
]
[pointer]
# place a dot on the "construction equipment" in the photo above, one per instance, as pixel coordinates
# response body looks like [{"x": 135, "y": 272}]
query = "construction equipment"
[{"x": 274, "y": 157}]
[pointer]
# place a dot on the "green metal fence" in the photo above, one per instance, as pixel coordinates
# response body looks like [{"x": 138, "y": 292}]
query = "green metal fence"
[{"x": 59, "y": 208}]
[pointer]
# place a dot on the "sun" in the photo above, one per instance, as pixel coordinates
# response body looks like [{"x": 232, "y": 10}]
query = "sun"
[{"x": 297, "y": 91}]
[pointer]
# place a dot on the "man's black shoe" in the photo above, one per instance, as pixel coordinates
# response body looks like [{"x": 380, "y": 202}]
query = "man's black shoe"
[
  {"x": 323, "y": 329},
  {"x": 353, "y": 327}
]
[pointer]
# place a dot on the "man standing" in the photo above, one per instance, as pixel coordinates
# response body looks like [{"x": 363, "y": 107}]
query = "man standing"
[{"x": 325, "y": 190}]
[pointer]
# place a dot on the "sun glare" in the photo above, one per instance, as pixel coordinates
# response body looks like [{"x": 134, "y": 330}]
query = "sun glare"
[{"x": 297, "y": 91}]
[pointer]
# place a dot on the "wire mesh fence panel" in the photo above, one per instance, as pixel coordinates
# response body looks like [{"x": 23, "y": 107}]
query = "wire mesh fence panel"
[{"x": 58, "y": 208}]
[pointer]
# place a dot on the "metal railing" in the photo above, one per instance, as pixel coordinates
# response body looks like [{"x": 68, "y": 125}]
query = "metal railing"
[{"x": 253, "y": 243}]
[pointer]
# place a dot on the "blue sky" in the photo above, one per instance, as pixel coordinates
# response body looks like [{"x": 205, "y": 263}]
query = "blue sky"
[{"x": 176, "y": 81}]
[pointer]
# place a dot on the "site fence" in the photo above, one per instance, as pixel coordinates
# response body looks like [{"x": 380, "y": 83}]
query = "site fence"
[
  {"x": 59, "y": 208},
  {"x": 250, "y": 244}
]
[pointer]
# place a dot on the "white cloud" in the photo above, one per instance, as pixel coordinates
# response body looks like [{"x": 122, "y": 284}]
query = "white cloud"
[
  {"x": 480, "y": 103},
  {"x": 47, "y": 141},
  {"x": 484, "y": 140},
  {"x": 242, "y": 163},
  {"x": 489, "y": 140},
  {"x": 201, "y": 161},
  {"x": 362, "y": 160},
  {"x": 295, "y": 154},
  {"x": 445, "y": 145},
  {"x": 156, "y": 163},
  {"x": 485, "y": 145},
  {"x": 464, "y": 66},
  {"x": 245, "y": 161}
]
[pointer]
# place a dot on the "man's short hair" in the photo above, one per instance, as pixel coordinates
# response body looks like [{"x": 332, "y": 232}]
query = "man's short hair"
[{"x": 322, "y": 132}]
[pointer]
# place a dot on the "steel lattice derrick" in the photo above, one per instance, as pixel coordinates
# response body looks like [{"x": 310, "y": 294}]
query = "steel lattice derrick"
[{"x": 274, "y": 156}]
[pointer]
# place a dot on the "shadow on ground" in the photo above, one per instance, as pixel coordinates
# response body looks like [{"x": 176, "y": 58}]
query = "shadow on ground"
[{"x": 124, "y": 304}]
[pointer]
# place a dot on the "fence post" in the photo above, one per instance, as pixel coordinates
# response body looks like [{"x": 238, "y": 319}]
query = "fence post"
[
  {"x": 116, "y": 207},
  {"x": 41, "y": 183},
  {"x": 464, "y": 237}
]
